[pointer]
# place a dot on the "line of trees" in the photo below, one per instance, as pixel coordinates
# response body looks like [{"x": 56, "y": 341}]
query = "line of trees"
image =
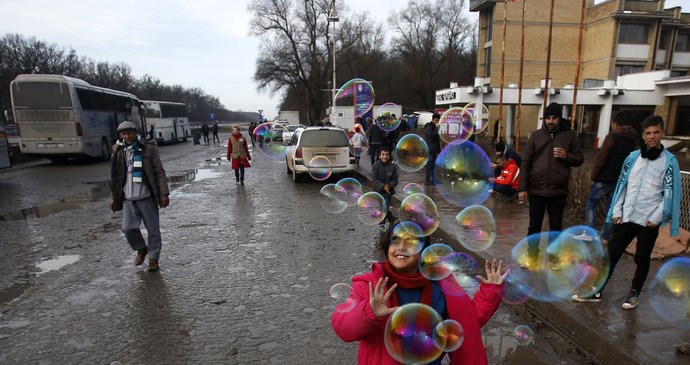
[
  {"x": 433, "y": 43},
  {"x": 27, "y": 55}
]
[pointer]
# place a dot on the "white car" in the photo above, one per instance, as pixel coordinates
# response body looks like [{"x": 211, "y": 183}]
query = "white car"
[
  {"x": 289, "y": 129},
  {"x": 307, "y": 143}
]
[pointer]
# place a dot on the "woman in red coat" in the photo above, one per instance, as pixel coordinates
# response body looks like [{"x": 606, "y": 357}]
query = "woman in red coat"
[
  {"x": 238, "y": 153},
  {"x": 378, "y": 295}
]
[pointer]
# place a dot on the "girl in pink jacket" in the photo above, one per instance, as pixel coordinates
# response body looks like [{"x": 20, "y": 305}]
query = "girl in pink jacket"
[{"x": 396, "y": 282}]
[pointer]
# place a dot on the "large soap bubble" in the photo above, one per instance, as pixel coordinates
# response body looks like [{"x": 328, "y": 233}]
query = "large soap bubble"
[
  {"x": 670, "y": 292},
  {"x": 409, "y": 334},
  {"x": 411, "y": 153},
  {"x": 268, "y": 139},
  {"x": 358, "y": 94},
  {"x": 476, "y": 228},
  {"x": 456, "y": 125},
  {"x": 420, "y": 209},
  {"x": 463, "y": 171},
  {"x": 385, "y": 119}
]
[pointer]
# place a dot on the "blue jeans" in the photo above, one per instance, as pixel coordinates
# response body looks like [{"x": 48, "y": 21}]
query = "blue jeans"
[{"x": 598, "y": 191}]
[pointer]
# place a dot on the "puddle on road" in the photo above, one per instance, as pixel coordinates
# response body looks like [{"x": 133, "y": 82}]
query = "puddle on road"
[
  {"x": 100, "y": 190},
  {"x": 56, "y": 263},
  {"x": 202, "y": 174},
  {"x": 7, "y": 295}
]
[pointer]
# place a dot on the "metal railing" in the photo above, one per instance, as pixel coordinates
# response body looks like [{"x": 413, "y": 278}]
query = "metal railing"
[{"x": 685, "y": 200}]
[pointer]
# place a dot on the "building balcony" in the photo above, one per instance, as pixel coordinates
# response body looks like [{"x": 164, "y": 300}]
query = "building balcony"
[
  {"x": 632, "y": 52},
  {"x": 478, "y": 5},
  {"x": 642, "y": 6},
  {"x": 681, "y": 59}
]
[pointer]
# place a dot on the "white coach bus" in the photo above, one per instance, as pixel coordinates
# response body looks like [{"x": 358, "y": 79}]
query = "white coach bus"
[
  {"x": 60, "y": 117},
  {"x": 170, "y": 120}
]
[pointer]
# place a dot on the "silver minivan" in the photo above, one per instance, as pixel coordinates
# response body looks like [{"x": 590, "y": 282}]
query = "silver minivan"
[{"x": 307, "y": 143}]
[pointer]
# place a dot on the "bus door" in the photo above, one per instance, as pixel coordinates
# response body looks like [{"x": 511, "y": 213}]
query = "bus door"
[{"x": 175, "y": 129}]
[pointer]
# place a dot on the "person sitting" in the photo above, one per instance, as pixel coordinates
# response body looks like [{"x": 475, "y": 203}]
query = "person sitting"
[
  {"x": 506, "y": 183},
  {"x": 503, "y": 150}
]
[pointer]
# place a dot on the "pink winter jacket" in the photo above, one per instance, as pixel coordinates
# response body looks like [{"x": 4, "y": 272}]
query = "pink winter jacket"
[{"x": 361, "y": 325}]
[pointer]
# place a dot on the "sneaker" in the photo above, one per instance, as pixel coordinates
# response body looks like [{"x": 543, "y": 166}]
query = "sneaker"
[
  {"x": 153, "y": 265},
  {"x": 428, "y": 183},
  {"x": 584, "y": 237},
  {"x": 141, "y": 254},
  {"x": 591, "y": 298},
  {"x": 631, "y": 300},
  {"x": 382, "y": 227}
]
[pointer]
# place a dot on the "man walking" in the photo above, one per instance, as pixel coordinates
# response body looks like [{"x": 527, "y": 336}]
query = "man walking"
[
  {"x": 616, "y": 147},
  {"x": 138, "y": 186},
  {"x": 433, "y": 141},
  {"x": 204, "y": 131},
  {"x": 545, "y": 172},
  {"x": 214, "y": 128},
  {"x": 647, "y": 195}
]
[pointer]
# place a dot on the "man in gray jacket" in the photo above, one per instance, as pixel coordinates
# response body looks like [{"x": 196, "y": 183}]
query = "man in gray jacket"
[
  {"x": 545, "y": 172},
  {"x": 138, "y": 186},
  {"x": 384, "y": 174}
]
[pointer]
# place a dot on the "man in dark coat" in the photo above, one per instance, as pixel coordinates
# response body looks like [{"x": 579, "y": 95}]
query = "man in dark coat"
[
  {"x": 614, "y": 150},
  {"x": 433, "y": 141},
  {"x": 545, "y": 172},
  {"x": 138, "y": 186}
]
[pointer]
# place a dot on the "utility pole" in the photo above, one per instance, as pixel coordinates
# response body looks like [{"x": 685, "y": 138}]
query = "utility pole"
[{"x": 333, "y": 18}]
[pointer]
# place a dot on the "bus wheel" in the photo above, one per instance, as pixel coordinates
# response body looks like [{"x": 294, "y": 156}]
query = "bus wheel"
[
  {"x": 172, "y": 138},
  {"x": 105, "y": 150}
]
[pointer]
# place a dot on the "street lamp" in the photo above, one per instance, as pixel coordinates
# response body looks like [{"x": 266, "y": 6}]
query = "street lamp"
[{"x": 333, "y": 18}]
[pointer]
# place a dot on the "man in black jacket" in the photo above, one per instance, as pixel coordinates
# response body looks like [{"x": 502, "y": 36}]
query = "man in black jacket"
[
  {"x": 433, "y": 141},
  {"x": 614, "y": 150},
  {"x": 545, "y": 172}
]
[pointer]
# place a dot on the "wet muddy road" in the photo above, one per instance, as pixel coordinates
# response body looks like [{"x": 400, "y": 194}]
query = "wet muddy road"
[{"x": 245, "y": 271}]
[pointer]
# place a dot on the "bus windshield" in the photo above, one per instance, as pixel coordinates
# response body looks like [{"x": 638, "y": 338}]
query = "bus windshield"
[{"x": 41, "y": 95}]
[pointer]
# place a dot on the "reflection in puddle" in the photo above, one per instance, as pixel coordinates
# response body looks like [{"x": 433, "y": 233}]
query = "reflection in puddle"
[
  {"x": 57, "y": 263},
  {"x": 202, "y": 174},
  {"x": 100, "y": 190}
]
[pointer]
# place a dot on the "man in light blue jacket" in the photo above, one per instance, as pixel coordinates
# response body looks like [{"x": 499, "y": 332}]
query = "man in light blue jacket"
[{"x": 647, "y": 196}]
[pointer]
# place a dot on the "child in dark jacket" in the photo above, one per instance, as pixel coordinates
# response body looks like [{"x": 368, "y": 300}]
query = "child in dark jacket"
[
  {"x": 395, "y": 282},
  {"x": 384, "y": 174}
]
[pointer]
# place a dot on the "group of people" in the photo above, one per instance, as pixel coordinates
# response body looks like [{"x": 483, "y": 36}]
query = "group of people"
[
  {"x": 205, "y": 129},
  {"x": 643, "y": 185}
]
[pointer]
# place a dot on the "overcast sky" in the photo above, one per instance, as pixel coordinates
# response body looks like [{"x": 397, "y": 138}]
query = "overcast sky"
[{"x": 194, "y": 43}]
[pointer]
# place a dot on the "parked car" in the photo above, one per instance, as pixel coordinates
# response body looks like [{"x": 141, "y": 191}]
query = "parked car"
[
  {"x": 289, "y": 129},
  {"x": 307, "y": 143}
]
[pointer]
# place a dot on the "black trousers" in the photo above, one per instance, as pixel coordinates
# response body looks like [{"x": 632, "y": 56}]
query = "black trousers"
[
  {"x": 239, "y": 173},
  {"x": 621, "y": 236},
  {"x": 538, "y": 205}
]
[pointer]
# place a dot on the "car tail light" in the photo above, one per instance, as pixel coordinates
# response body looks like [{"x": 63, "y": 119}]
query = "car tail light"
[
  {"x": 80, "y": 133},
  {"x": 351, "y": 154},
  {"x": 298, "y": 152}
]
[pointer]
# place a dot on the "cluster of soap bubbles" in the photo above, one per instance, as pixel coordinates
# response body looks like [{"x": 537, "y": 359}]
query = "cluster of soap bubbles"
[
  {"x": 417, "y": 334},
  {"x": 370, "y": 207}
]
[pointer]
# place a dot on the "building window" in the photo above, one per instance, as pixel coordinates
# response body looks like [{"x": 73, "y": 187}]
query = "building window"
[
  {"x": 633, "y": 33},
  {"x": 663, "y": 40},
  {"x": 679, "y": 73},
  {"x": 683, "y": 42},
  {"x": 626, "y": 69},
  {"x": 489, "y": 26},
  {"x": 487, "y": 62}
]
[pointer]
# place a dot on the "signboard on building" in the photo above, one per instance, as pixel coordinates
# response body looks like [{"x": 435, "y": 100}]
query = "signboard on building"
[{"x": 447, "y": 96}]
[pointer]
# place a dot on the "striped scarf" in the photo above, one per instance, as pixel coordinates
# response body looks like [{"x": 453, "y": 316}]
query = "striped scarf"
[{"x": 137, "y": 171}]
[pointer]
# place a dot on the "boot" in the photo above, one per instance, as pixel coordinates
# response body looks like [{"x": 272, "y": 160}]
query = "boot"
[
  {"x": 153, "y": 265},
  {"x": 141, "y": 254}
]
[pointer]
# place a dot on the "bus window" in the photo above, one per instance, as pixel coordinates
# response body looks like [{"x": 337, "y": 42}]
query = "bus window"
[{"x": 41, "y": 96}]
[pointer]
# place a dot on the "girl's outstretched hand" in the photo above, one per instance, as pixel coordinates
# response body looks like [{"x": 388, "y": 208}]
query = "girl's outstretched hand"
[
  {"x": 493, "y": 273},
  {"x": 378, "y": 297}
]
